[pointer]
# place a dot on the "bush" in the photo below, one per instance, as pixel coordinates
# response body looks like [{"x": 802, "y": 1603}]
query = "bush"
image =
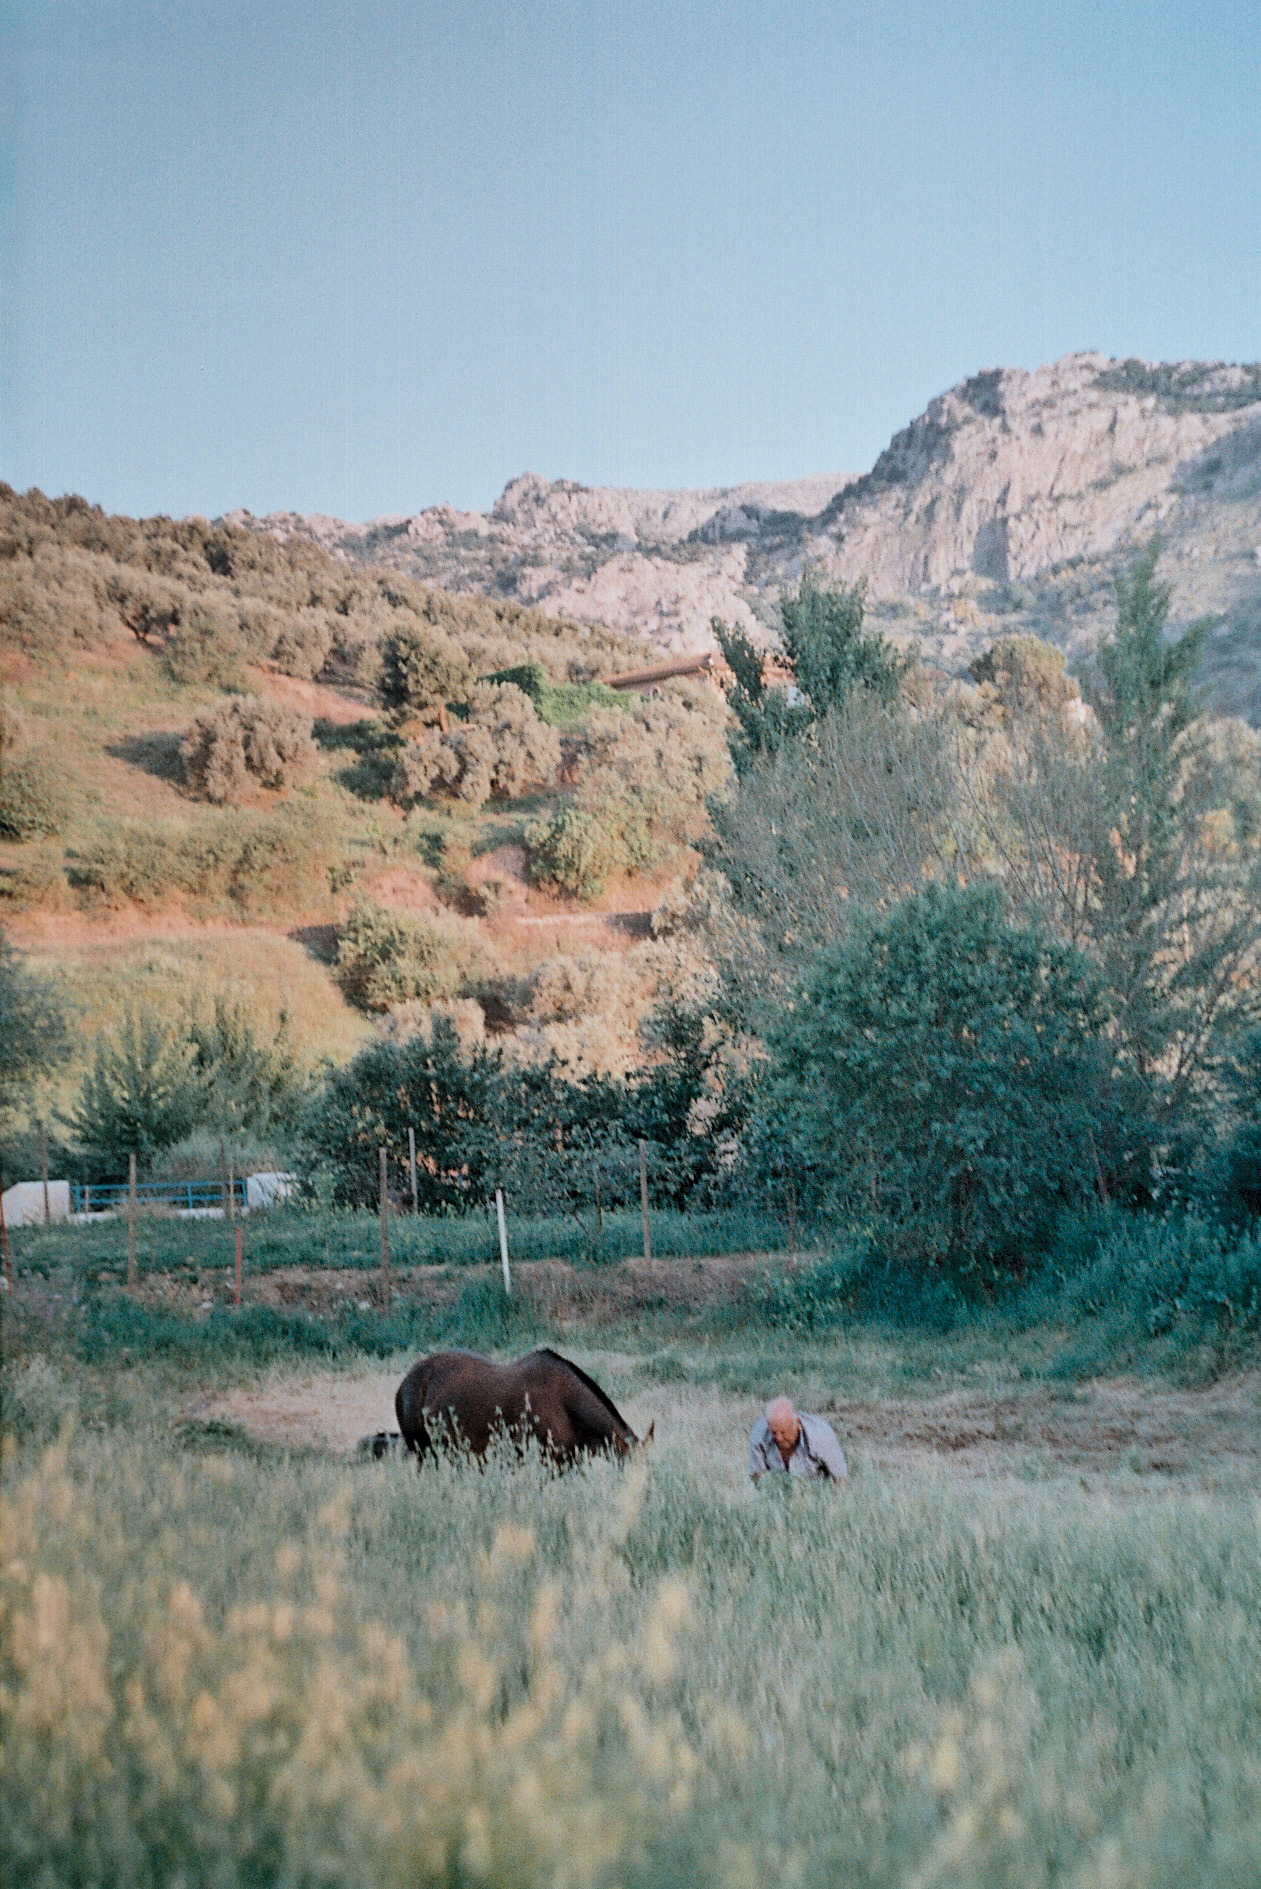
[
  {"x": 140, "y": 864},
  {"x": 1179, "y": 1274},
  {"x": 303, "y": 646},
  {"x": 386, "y": 958},
  {"x": 205, "y": 650},
  {"x": 430, "y": 1084},
  {"x": 267, "y": 862},
  {"x": 501, "y": 750},
  {"x": 562, "y": 704},
  {"x": 142, "y": 1094},
  {"x": 33, "y": 796},
  {"x": 939, "y": 1077},
  {"x": 38, "y": 881},
  {"x": 1239, "y": 1177},
  {"x": 422, "y": 670},
  {"x": 666, "y": 753},
  {"x": 245, "y": 742},
  {"x": 830, "y": 656},
  {"x": 578, "y": 850}
]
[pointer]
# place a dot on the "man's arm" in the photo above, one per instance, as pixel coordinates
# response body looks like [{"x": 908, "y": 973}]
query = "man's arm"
[
  {"x": 827, "y": 1451},
  {"x": 758, "y": 1441}
]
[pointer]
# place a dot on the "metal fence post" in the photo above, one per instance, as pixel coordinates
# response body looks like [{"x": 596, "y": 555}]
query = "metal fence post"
[{"x": 43, "y": 1168}]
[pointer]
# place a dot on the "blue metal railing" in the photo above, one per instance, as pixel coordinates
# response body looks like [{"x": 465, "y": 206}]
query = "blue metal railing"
[{"x": 189, "y": 1195}]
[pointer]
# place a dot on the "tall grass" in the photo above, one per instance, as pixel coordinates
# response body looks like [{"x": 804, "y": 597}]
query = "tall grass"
[{"x": 229, "y": 1669}]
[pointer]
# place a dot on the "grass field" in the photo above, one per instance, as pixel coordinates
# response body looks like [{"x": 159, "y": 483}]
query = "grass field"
[{"x": 1021, "y": 1646}]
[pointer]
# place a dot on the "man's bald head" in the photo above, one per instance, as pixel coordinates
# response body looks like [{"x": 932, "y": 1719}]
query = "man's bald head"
[{"x": 783, "y": 1423}]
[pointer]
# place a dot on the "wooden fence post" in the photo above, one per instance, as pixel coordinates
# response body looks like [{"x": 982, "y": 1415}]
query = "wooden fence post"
[
  {"x": 4, "y": 1236},
  {"x": 238, "y": 1269},
  {"x": 503, "y": 1239},
  {"x": 223, "y": 1179},
  {"x": 131, "y": 1222},
  {"x": 643, "y": 1196},
  {"x": 385, "y": 1232},
  {"x": 411, "y": 1164},
  {"x": 43, "y": 1168}
]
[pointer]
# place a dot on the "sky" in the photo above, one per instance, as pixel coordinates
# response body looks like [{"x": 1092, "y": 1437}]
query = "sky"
[{"x": 361, "y": 259}]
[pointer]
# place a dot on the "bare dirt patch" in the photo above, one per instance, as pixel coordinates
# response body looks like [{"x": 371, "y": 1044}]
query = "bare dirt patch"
[
  {"x": 1145, "y": 1426},
  {"x": 1122, "y": 1428}
]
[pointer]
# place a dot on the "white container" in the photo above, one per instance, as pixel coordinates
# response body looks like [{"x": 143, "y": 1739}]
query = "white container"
[
  {"x": 267, "y": 1190},
  {"x": 24, "y": 1203}
]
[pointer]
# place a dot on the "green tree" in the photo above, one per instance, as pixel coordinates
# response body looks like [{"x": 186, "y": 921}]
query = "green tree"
[
  {"x": 422, "y": 671},
  {"x": 935, "y": 1077},
  {"x": 245, "y": 1084},
  {"x": 829, "y": 654},
  {"x": 428, "y": 1084},
  {"x": 143, "y": 1093},
  {"x": 34, "y": 1040},
  {"x": 1240, "y": 1172}
]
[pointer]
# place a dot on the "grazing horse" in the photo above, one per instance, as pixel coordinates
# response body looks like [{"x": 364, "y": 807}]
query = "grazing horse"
[{"x": 462, "y": 1396}]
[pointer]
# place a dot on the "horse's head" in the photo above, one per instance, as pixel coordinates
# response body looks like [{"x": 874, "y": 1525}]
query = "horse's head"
[{"x": 629, "y": 1444}]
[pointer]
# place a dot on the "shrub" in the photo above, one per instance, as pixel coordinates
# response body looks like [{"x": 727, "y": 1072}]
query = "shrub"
[
  {"x": 422, "y": 670},
  {"x": 665, "y": 752},
  {"x": 385, "y": 958},
  {"x": 562, "y": 704},
  {"x": 33, "y": 796},
  {"x": 248, "y": 1086},
  {"x": 939, "y": 1077},
  {"x": 304, "y": 644},
  {"x": 142, "y": 1094},
  {"x": 140, "y": 864},
  {"x": 245, "y": 742},
  {"x": 578, "y": 849},
  {"x": 429, "y": 1083},
  {"x": 205, "y": 650},
  {"x": 830, "y": 656},
  {"x": 259, "y": 861},
  {"x": 645, "y": 773},
  {"x": 1239, "y": 1185},
  {"x": 1165, "y": 1275},
  {"x": 33, "y": 1034},
  {"x": 38, "y": 881},
  {"x": 501, "y": 750}
]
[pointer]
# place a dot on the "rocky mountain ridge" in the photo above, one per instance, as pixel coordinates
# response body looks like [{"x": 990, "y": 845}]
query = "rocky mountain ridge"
[{"x": 1007, "y": 505}]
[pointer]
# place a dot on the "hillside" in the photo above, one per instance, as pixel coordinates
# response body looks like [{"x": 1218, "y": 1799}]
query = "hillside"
[
  {"x": 1002, "y": 508},
  {"x": 203, "y": 794},
  {"x": 202, "y": 797}
]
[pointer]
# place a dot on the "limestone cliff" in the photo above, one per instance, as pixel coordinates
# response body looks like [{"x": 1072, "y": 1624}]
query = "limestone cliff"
[{"x": 1006, "y": 505}]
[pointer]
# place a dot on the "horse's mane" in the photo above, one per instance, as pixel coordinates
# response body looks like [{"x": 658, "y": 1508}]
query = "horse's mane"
[{"x": 545, "y": 1351}]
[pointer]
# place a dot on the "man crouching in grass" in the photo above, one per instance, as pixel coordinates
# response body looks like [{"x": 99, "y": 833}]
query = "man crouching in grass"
[{"x": 791, "y": 1443}]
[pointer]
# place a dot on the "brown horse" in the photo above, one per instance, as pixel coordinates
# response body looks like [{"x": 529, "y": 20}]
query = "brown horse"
[{"x": 463, "y": 1397}]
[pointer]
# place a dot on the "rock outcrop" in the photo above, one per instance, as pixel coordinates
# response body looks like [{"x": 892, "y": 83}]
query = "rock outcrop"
[{"x": 1007, "y": 505}]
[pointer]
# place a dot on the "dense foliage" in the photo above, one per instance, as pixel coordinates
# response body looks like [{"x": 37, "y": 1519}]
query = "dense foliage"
[
  {"x": 940, "y": 1077},
  {"x": 152, "y": 1084},
  {"x": 829, "y": 656},
  {"x": 555, "y": 1143},
  {"x": 243, "y": 744}
]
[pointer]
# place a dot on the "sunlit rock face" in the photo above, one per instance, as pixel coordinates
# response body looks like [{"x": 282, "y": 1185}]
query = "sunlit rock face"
[{"x": 1007, "y": 505}]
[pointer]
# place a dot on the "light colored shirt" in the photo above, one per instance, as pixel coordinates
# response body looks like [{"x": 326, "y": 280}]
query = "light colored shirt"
[{"x": 815, "y": 1453}]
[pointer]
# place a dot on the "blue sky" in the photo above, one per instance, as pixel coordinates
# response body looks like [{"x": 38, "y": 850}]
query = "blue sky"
[{"x": 362, "y": 259}]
